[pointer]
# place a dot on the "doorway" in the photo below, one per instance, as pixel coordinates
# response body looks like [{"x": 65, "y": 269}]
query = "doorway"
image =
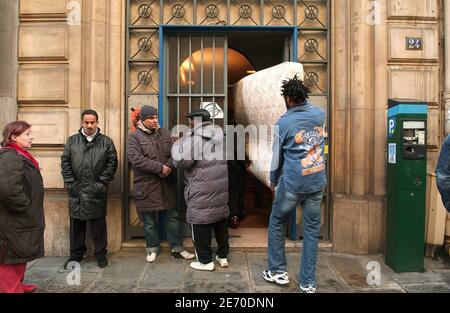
[
  {"x": 202, "y": 68},
  {"x": 250, "y": 200}
]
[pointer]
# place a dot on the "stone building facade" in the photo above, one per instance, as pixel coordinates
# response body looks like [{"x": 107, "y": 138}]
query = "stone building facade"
[{"x": 59, "y": 57}]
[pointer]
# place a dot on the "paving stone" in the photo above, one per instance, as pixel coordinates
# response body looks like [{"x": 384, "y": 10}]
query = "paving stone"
[
  {"x": 417, "y": 278},
  {"x": 59, "y": 283},
  {"x": 427, "y": 288},
  {"x": 124, "y": 267},
  {"x": 151, "y": 290},
  {"x": 237, "y": 259},
  {"x": 445, "y": 276},
  {"x": 217, "y": 287},
  {"x": 128, "y": 272},
  {"x": 217, "y": 281},
  {"x": 122, "y": 274},
  {"x": 88, "y": 265},
  {"x": 353, "y": 269},
  {"x": 49, "y": 262},
  {"x": 329, "y": 282},
  {"x": 257, "y": 264},
  {"x": 39, "y": 276},
  {"x": 272, "y": 288},
  {"x": 350, "y": 269},
  {"x": 110, "y": 286},
  {"x": 380, "y": 290},
  {"x": 216, "y": 275},
  {"x": 436, "y": 264},
  {"x": 387, "y": 274},
  {"x": 167, "y": 276},
  {"x": 293, "y": 260}
]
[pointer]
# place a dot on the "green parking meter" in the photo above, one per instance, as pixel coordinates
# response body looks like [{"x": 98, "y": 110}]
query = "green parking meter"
[{"x": 406, "y": 185}]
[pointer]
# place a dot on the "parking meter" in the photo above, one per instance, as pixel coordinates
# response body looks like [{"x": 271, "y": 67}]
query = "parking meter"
[{"x": 406, "y": 184}]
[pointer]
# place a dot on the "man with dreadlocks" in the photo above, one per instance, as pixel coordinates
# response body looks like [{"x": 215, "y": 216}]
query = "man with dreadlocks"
[{"x": 298, "y": 178}]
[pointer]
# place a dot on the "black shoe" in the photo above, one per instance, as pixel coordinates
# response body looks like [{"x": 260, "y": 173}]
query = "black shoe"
[
  {"x": 72, "y": 259},
  {"x": 183, "y": 255},
  {"x": 102, "y": 261}
]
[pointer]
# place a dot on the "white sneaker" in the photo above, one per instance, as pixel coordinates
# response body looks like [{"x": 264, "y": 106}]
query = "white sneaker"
[
  {"x": 222, "y": 262},
  {"x": 279, "y": 278},
  {"x": 309, "y": 289},
  {"x": 151, "y": 257},
  {"x": 202, "y": 267}
]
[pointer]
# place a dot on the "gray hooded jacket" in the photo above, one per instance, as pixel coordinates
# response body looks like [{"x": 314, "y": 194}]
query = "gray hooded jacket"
[{"x": 201, "y": 156}]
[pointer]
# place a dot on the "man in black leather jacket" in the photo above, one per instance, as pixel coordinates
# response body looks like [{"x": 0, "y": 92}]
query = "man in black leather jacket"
[{"x": 88, "y": 164}]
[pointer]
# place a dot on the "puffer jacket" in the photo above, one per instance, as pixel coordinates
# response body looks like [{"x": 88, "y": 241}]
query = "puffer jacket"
[
  {"x": 87, "y": 168},
  {"x": 201, "y": 156},
  {"x": 22, "y": 220},
  {"x": 148, "y": 151}
]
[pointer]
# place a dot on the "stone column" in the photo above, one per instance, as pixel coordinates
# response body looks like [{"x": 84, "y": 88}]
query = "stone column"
[
  {"x": 447, "y": 65},
  {"x": 9, "y": 20},
  {"x": 103, "y": 69},
  {"x": 358, "y": 123}
]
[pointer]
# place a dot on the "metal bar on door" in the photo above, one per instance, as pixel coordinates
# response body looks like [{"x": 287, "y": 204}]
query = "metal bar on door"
[
  {"x": 178, "y": 80},
  {"x": 225, "y": 81},
  {"x": 201, "y": 71},
  {"x": 190, "y": 72},
  {"x": 214, "y": 72}
]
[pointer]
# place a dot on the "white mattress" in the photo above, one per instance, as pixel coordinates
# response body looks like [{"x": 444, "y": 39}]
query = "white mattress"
[{"x": 258, "y": 101}]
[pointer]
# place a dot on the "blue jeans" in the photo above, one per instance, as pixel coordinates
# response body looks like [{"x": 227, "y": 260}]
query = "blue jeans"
[
  {"x": 171, "y": 225},
  {"x": 283, "y": 204}
]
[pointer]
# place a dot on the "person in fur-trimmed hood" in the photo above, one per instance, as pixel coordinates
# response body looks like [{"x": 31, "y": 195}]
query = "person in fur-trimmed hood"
[{"x": 201, "y": 156}]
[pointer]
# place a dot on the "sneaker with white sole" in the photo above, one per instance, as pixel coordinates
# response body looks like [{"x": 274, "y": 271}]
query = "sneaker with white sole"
[
  {"x": 151, "y": 257},
  {"x": 279, "y": 278},
  {"x": 309, "y": 289},
  {"x": 222, "y": 262},
  {"x": 202, "y": 267},
  {"x": 183, "y": 254}
]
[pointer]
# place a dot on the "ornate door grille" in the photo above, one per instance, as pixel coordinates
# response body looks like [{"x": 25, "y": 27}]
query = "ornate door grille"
[{"x": 144, "y": 18}]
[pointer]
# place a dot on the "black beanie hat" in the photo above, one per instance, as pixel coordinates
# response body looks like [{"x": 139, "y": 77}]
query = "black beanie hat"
[{"x": 147, "y": 112}]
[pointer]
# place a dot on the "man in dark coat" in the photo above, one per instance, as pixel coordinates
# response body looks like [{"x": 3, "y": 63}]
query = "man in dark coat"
[
  {"x": 201, "y": 155},
  {"x": 148, "y": 150},
  {"x": 88, "y": 164}
]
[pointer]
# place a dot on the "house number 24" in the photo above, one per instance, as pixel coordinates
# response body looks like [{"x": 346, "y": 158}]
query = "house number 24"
[{"x": 413, "y": 43}]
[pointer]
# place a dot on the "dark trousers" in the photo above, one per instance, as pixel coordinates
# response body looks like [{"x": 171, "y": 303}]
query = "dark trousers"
[
  {"x": 236, "y": 188},
  {"x": 202, "y": 235},
  {"x": 78, "y": 236}
]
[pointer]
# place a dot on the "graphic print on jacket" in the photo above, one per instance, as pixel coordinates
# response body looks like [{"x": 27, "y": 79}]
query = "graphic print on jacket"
[{"x": 311, "y": 144}]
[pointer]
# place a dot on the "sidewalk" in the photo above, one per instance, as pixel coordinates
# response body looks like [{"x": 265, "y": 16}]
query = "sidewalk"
[{"x": 128, "y": 272}]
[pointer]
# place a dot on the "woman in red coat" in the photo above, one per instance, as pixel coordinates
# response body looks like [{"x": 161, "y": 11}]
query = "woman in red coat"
[{"x": 22, "y": 220}]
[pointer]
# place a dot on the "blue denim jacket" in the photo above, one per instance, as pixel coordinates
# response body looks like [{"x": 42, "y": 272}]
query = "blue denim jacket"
[
  {"x": 298, "y": 150},
  {"x": 443, "y": 173}
]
